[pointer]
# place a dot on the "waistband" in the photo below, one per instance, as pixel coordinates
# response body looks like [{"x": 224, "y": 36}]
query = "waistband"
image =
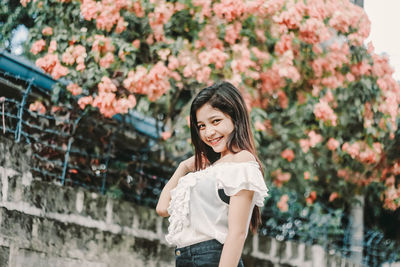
[{"x": 200, "y": 247}]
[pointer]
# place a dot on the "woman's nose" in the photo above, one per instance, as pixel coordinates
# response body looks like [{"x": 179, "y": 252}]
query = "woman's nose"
[{"x": 210, "y": 132}]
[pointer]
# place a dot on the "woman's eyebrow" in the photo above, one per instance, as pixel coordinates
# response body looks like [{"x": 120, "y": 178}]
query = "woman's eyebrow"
[
  {"x": 209, "y": 118},
  {"x": 213, "y": 117}
]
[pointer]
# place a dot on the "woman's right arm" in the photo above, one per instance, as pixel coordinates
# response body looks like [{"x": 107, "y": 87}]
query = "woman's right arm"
[{"x": 184, "y": 167}]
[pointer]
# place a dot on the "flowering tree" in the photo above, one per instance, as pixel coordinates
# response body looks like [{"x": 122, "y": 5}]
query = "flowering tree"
[{"x": 325, "y": 107}]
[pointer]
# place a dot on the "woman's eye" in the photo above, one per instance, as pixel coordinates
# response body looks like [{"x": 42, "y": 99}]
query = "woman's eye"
[
  {"x": 216, "y": 121},
  {"x": 201, "y": 126}
]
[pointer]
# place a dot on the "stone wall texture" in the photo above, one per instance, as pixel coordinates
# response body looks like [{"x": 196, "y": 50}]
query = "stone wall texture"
[{"x": 45, "y": 224}]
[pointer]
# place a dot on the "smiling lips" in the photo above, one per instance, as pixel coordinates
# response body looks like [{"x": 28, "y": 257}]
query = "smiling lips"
[{"x": 215, "y": 141}]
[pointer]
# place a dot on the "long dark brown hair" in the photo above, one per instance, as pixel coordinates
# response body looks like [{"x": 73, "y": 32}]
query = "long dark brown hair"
[{"x": 226, "y": 98}]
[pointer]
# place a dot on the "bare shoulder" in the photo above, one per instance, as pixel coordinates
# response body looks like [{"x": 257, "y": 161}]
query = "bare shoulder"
[{"x": 243, "y": 156}]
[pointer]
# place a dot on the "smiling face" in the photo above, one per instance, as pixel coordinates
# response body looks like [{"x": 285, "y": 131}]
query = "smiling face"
[{"x": 214, "y": 128}]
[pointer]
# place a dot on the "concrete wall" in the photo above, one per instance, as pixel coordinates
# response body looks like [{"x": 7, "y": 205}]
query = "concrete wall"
[{"x": 46, "y": 224}]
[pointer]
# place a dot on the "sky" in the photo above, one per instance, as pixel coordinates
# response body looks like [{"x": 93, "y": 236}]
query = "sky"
[{"x": 385, "y": 34}]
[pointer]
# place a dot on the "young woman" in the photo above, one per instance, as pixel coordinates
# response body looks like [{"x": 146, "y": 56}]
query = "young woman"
[{"x": 214, "y": 196}]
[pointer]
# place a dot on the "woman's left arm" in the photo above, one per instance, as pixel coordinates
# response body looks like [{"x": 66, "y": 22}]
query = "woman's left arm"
[{"x": 239, "y": 212}]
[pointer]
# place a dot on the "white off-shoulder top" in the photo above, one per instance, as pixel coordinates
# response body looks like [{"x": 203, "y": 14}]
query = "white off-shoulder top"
[{"x": 197, "y": 213}]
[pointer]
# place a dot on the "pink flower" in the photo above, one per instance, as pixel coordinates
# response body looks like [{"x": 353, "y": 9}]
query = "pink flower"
[
  {"x": 353, "y": 150},
  {"x": 271, "y": 7},
  {"x": 52, "y": 46},
  {"x": 90, "y": 9},
  {"x": 173, "y": 63},
  {"x": 361, "y": 68},
  {"x": 80, "y": 67},
  {"x": 229, "y": 9},
  {"x": 328, "y": 97},
  {"x": 163, "y": 54},
  {"x": 136, "y": 43},
  {"x": 50, "y": 64},
  {"x": 106, "y": 102},
  {"x": 324, "y": 112},
  {"x": 208, "y": 38},
  {"x": 137, "y": 7},
  {"x": 75, "y": 54},
  {"x": 306, "y": 175},
  {"x": 284, "y": 44},
  {"x": 153, "y": 83},
  {"x": 271, "y": 80},
  {"x": 343, "y": 173},
  {"x": 107, "y": 60},
  {"x": 38, "y": 46},
  {"x": 292, "y": 17},
  {"x": 311, "y": 198},
  {"x": 166, "y": 135},
  {"x": 47, "y": 62},
  {"x": 314, "y": 138},
  {"x": 290, "y": 72},
  {"x": 259, "y": 126},
  {"x": 125, "y": 104},
  {"x": 84, "y": 101},
  {"x": 203, "y": 74},
  {"x": 106, "y": 85},
  {"x": 377, "y": 147},
  {"x": 102, "y": 44},
  {"x": 367, "y": 156},
  {"x": 288, "y": 154},
  {"x": 260, "y": 55},
  {"x": 47, "y": 31},
  {"x": 67, "y": 56},
  {"x": 332, "y": 144},
  {"x": 74, "y": 88},
  {"x": 340, "y": 21},
  {"x": 108, "y": 17},
  {"x": 305, "y": 145},
  {"x": 381, "y": 66},
  {"x": 282, "y": 204},
  {"x": 314, "y": 31},
  {"x": 280, "y": 177},
  {"x": 59, "y": 71},
  {"x": 162, "y": 13},
  {"x": 318, "y": 66},
  {"x": 121, "y": 25},
  {"x": 333, "y": 196},
  {"x": 24, "y": 3},
  {"x": 216, "y": 56},
  {"x": 38, "y": 107},
  {"x": 350, "y": 77},
  {"x": 205, "y": 8},
  {"x": 232, "y": 32},
  {"x": 121, "y": 55}
]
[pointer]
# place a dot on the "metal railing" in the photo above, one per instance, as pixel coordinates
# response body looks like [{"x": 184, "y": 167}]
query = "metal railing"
[{"x": 73, "y": 147}]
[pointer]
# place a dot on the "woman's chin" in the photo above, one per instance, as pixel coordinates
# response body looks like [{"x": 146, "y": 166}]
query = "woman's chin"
[{"x": 218, "y": 149}]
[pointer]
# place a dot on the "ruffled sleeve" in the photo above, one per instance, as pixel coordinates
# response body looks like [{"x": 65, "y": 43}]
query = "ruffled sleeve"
[
  {"x": 179, "y": 207},
  {"x": 236, "y": 176}
]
